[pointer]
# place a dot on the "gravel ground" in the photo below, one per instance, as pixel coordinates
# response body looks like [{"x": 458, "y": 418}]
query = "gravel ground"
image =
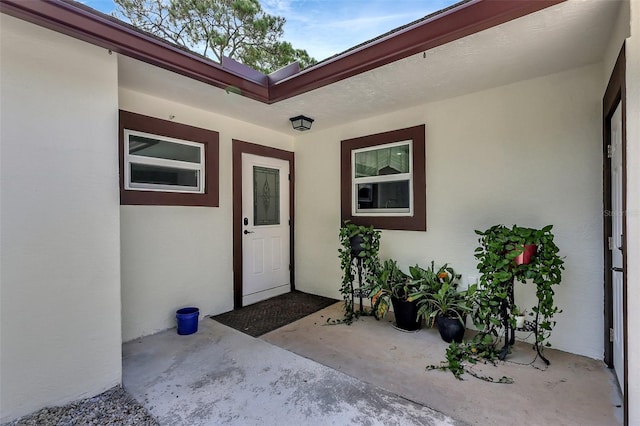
[{"x": 113, "y": 407}]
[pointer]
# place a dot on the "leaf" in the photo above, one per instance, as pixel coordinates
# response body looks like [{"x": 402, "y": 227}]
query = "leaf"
[{"x": 502, "y": 276}]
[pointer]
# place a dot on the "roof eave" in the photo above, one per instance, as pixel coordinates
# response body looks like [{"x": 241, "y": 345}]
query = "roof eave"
[
  {"x": 78, "y": 23},
  {"x": 452, "y": 24}
]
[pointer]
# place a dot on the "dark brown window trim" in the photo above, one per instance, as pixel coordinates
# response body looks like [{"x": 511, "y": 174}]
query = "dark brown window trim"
[
  {"x": 83, "y": 23},
  {"x": 156, "y": 126},
  {"x": 417, "y": 222}
]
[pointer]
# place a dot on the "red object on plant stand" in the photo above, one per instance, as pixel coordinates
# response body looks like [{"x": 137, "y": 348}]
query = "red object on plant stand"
[{"x": 524, "y": 258}]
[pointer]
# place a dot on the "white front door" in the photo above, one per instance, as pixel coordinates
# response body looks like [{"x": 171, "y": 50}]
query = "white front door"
[
  {"x": 265, "y": 228},
  {"x": 617, "y": 273}
]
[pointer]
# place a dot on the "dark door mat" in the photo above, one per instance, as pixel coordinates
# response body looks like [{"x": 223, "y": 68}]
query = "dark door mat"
[{"x": 263, "y": 317}]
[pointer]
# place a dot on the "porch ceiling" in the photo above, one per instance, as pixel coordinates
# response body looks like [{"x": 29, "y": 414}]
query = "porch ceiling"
[{"x": 571, "y": 34}]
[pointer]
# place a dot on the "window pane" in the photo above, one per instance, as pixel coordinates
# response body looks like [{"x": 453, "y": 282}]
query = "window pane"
[
  {"x": 142, "y": 173},
  {"x": 383, "y": 161},
  {"x": 148, "y": 147},
  {"x": 266, "y": 196},
  {"x": 384, "y": 195}
]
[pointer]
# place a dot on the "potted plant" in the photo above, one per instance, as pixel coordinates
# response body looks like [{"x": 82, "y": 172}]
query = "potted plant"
[
  {"x": 525, "y": 253},
  {"x": 393, "y": 288},
  {"x": 429, "y": 283},
  {"x": 448, "y": 307},
  {"x": 430, "y": 280},
  {"x": 497, "y": 255},
  {"x": 358, "y": 252},
  {"x": 519, "y": 316},
  {"x": 502, "y": 261}
]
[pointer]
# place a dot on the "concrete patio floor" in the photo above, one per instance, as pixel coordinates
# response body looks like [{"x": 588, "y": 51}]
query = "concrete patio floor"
[
  {"x": 220, "y": 376},
  {"x": 369, "y": 373},
  {"x": 573, "y": 390}
]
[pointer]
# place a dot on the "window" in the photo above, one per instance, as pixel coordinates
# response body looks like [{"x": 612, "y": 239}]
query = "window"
[
  {"x": 167, "y": 163},
  {"x": 383, "y": 179},
  {"x": 266, "y": 196},
  {"x": 157, "y": 163}
]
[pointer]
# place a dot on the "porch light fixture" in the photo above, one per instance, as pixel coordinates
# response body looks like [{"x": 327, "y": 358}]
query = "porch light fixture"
[{"x": 301, "y": 123}]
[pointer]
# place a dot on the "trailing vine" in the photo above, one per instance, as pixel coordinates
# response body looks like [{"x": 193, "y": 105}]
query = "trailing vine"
[
  {"x": 370, "y": 246},
  {"x": 480, "y": 349},
  {"x": 499, "y": 247}
]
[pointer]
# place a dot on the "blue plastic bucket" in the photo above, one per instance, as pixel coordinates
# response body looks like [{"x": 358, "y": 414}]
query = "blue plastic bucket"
[{"x": 187, "y": 320}]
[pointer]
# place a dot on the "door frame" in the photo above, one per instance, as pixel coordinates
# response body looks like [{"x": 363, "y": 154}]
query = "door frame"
[
  {"x": 615, "y": 95},
  {"x": 238, "y": 148}
]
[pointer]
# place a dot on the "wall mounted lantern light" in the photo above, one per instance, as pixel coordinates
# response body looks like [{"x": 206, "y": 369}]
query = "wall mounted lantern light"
[{"x": 301, "y": 123}]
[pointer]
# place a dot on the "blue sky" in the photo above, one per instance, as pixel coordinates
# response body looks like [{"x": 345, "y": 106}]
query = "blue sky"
[{"x": 326, "y": 27}]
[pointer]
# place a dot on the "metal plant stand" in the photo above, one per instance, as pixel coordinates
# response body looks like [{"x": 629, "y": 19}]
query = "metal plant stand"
[
  {"x": 510, "y": 332},
  {"x": 359, "y": 291}
]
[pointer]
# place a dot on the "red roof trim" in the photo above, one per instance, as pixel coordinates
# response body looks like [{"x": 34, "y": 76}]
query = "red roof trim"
[{"x": 466, "y": 19}]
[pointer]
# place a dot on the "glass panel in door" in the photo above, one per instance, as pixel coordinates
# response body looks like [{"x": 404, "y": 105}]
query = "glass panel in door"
[{"x": 266, "y": 196}]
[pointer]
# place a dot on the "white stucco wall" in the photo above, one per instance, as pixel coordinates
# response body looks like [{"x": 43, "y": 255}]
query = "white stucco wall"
[
  {"x": 60, "y": 259},
  {"x": 182, "y": 256},
  {"x": 619, "y": 33},
  {"x": 527, "y": 154},
  {"x": 632, "y": 51}
]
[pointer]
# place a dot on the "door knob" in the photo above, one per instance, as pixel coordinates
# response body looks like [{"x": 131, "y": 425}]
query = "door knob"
[{"x": 248, "y": 232}]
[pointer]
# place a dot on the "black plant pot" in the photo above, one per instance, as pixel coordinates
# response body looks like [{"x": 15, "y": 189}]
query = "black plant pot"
[
  {"x": 406, "y": 314},
  {"x": 451, "y": 329},
  {"x": 356, "y": 243}
]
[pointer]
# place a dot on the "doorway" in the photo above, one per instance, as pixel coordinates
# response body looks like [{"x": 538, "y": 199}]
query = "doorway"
[
  {"x": 263, "y": 215},
  {"x": 614, "y": 203},
  {"x": 265, "y": 228},
  {"x": 615, "y": 243}
]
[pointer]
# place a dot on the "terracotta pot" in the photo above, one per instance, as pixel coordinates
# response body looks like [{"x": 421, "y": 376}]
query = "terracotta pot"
[{"x": 524, "y": 258}]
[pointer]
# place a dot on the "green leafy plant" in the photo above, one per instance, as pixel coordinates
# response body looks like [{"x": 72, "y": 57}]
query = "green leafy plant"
[
  {"x": 517, "y": 311},
  {"x": 390, "y": 283},
  {"x": 479, "y": 350},
  {"x": 499, "y": 247},
  {"x": 368, "y": 256},
  {"x": 448, "y": 302},
  {"x": 429, "y": 296},
  {"x": 430, "y": 279}
]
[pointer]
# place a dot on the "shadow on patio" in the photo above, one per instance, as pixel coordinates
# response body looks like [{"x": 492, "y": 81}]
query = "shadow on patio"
[
  {"x": 222, "y": 376},
  {"x": 573, "y": 390},
  {"x": 366, "y": 373}
]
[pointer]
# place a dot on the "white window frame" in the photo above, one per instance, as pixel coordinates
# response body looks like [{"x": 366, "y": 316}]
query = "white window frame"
[
  {"x": 162, "y": 162},
  {"x": 355, "y": 181}
]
